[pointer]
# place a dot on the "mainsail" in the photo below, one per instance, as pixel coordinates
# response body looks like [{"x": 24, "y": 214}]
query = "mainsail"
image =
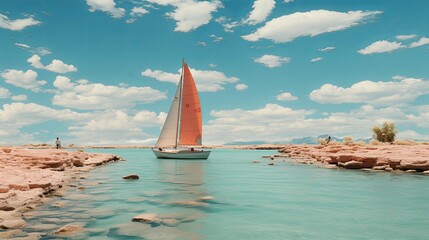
[
  {"x": 190, "y": 117},
  {"x": 183, "y": 126},
  {"x": 168, "y": 136}
]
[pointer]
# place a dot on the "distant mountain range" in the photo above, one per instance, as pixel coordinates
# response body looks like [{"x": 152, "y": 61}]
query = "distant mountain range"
[{"x": 304, "y": 140}]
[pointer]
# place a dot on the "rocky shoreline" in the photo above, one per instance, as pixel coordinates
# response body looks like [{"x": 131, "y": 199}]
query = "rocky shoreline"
[
  {"x": 384, "y": 157},
  {"x": 29, "y": 176}
]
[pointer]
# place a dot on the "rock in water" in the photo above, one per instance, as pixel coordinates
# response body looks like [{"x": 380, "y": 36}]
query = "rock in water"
[
  {"x": 171, "y": 222},
  {"x": 68, "y": 230},
  {"x": 147, "y": 218},
  {"x": 12, "y": 224},
  {"x": 133, "y": 176},
  {"x": 353, "y": 165},
  {"x": 206, "y": 198}
]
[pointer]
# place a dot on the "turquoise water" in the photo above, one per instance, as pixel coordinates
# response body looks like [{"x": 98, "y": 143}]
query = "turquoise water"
[{"x": 252, "y": 200}]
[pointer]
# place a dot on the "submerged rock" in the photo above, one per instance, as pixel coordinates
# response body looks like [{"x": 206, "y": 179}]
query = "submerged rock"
[
  {"x": 190, "y": 203},
  {"x": 12, "y": 223},
  {"x": 171, "y": 222},
  {"x": 68, "y": 230},
  {"x": 206, "y": 198},
  {"x": 10, "y": 233},
  {"x": 133, "y": 176}
]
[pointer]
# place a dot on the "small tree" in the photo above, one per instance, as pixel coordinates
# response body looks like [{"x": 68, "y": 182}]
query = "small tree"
[{"x": 385, "y": 133}]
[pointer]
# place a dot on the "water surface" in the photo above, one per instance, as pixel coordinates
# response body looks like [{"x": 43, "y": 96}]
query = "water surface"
[{"x": 252, "y": 200}]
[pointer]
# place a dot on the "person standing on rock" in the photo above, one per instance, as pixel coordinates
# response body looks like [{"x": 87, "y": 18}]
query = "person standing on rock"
[{"x": 58, "y": 143}]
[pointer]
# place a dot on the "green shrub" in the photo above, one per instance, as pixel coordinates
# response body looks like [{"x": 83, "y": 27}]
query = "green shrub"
[{"x": 385, "y": 133}]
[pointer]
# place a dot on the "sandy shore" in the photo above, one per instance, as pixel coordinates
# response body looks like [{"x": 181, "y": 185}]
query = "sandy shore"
[
  {"x": 29, "y": 176},
  {"x": 385, "y": 157}
]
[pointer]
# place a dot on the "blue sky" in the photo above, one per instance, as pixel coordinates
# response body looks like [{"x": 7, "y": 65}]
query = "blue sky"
[{"x": 104, "y": 71}]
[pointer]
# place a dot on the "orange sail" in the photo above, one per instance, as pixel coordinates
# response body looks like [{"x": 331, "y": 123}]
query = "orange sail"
[{"x": 190, "y": 118}]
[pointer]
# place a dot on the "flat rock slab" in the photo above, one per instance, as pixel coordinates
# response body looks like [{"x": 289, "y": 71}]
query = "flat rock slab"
[
  {"x": 12, "y": 224},
  {"x": 68, "y": 230}
]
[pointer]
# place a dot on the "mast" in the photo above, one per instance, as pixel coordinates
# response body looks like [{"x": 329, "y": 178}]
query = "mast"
[{"x": 180, "y": 104}]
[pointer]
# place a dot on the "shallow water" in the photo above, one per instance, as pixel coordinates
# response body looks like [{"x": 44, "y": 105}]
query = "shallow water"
[{"x": 252, "y": 200}]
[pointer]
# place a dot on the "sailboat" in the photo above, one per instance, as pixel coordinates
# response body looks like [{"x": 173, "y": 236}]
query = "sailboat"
[{"x": 183, "y": 126}]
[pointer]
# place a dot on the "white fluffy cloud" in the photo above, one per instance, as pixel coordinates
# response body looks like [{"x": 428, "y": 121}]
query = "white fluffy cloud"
[
  {"x": 386, "y": 46},
  {"x": 22, "y": 45},
  {"x": 56, "y": 65},
  {"x": 286, "y": 96},
  {"x": 22, "y": 114},
  {"x": 272, "y": 61},
  {"x": 26, "y": 80},
  {"x": 326, "y": 49},
  {"x": 85, "y": 95},
  {"x": 206, "y": 80},
  {"x": 241, "y": 87},
  {"x": 375, "y": 93},
  {"x": 117, "y": 127},
  {"x": 380, "y": 47},
  {"x": 421, "y": 42},
  {"x": 405, "y": 37},
  {"x": 276, "y": 123},
  {"x": 312, "y": 23},
  {"x": 19, "y": 98},
  {"x": 4, "y": 93},
  {"x": 316, "y": 59},
  {"x": 216, "y": 38},
  {"x": 261, "y": 10},
  {"x": 227, "y": 24},
  {"x": 99, "y": 127},
  {"x": 249, "y": 125},
  {"x": 138, "y": 11},
  {"x": 18, "y": 24},
  {"x": 108, "y": 6},
  {"x": 190, "y": 14}
]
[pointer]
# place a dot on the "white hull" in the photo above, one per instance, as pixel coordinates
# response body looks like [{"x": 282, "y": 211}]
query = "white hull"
[{"x": 181, "y": 154}]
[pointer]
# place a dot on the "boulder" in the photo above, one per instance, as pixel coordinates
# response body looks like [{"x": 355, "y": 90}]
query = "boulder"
[
  {"x": 78, "y": 163},
  {"x": 146, "y": 218},
  {"x": 68, "y": 230},
  {"x": 131, "y": 177},
  {"x": 379, "y": 167},
  {"x": 352, "y": 165},
  {"x": 421, "y": 165}
]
